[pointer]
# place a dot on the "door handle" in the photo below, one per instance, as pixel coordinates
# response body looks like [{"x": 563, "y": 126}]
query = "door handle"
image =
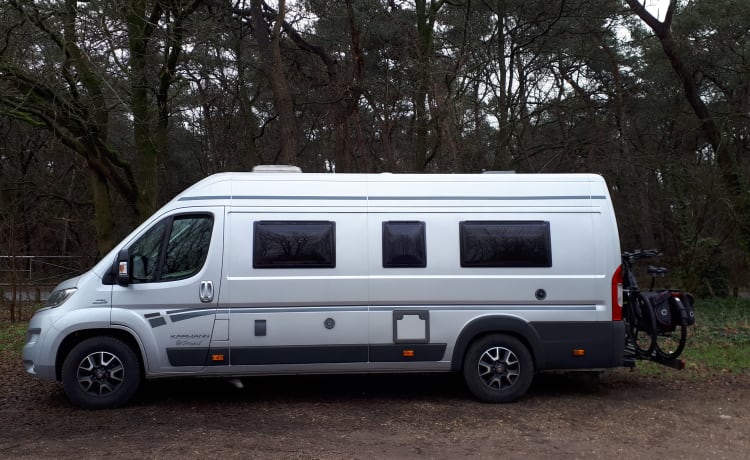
[{"x": 206, "y": 291}]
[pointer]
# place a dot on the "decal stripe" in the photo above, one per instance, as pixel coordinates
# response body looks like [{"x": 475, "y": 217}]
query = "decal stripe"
[
  {"x": 193, "y": 314},
  {"x": 156, "y": 322}
]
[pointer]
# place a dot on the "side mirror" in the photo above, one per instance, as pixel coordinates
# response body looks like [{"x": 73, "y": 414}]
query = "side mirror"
[{"x": 123, "y": 268}]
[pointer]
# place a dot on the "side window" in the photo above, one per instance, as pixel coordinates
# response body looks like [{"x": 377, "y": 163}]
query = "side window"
[
  {"x": 173, "y": 249},
  {"x": 505, "y": 244},
  {"x": 187, "y": 247},
  {"x": 146, "y": 251},
  {"x": 404, "y": 244},
  {"x": 294, "y": 244}
]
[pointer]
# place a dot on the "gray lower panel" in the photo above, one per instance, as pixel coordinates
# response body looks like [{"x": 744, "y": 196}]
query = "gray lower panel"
[
  {"x": 299, "y": 355},
  {"x": 603, "y": 345},
  {"x": 323, "y": 354}
]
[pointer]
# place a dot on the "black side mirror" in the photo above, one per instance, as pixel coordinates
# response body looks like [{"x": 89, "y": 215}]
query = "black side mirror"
[{"x": 123, "y": 268}]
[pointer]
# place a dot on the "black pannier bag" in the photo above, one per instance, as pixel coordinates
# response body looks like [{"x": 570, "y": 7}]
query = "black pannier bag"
[
  {"x": 667, "y": 309},
  {"x": 663, "y": 310},
  {"x": 688, "y": 302}
]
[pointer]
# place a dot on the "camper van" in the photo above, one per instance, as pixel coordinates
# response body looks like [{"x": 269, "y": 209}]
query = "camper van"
[{"x": 495, "y": 276}]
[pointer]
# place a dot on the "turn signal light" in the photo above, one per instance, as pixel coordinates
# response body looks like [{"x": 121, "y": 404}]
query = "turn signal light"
[
  {"x": 217, "y": 357},
  {"x": 407, "y": 353},
  {"x": 579, "y": 352}
]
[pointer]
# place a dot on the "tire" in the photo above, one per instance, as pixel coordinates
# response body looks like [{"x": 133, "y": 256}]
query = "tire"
[
  {"x": 670, "y": 344},
  {"x": 641, "y": 324},
  {"x": 498, "y": 368},
  {"x": 101, "y": 373}
]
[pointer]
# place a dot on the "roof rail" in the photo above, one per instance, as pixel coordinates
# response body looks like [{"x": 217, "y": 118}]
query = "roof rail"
[{"x": 277, "y": 168}]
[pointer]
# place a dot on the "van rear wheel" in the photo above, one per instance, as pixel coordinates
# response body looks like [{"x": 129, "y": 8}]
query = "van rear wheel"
[
  {"x": 101, "y": 373},
  {"x": 498, "y": 368}
]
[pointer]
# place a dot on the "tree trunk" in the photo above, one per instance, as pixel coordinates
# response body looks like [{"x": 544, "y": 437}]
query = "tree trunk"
[
  {"x": 103, "y": 219},
  {"x": 146, "y": 158},
  {"x": 425, "y": 39},
  {"x": 270, "y": 50},
  {"x": 502, "y": 158}
]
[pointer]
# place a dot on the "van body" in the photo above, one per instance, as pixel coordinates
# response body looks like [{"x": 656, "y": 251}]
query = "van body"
[{"x": 497, "y": 276}]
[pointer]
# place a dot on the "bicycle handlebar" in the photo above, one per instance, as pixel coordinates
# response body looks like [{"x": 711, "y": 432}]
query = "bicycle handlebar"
[{"x": 641, "y": 254}]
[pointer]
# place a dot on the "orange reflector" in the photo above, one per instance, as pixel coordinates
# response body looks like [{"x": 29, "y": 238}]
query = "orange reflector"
[
  {"x": 579, "y": 352},
  {"x": 407, "y": 353},
  {"x": 217, "y": 357}
]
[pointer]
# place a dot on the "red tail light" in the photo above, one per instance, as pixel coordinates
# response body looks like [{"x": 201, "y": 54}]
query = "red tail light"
[{"x": 617, "y": 295}]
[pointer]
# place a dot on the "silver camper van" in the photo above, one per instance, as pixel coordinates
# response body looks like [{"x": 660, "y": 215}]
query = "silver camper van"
[{"x": 496, "y": 276}]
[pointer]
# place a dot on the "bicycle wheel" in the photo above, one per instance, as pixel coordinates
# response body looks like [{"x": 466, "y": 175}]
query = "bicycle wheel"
[
  {"x": 669, "y": 344},
  {"x": 640, "y": 323}
]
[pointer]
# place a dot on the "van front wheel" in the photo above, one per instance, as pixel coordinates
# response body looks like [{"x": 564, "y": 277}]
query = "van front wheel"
[
  {"x": 101, "y": 373},
  {"x": 498, "y": 368}
]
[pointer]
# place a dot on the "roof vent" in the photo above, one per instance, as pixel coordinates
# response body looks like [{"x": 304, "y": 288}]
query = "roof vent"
[{"x": 276, "y": 168}]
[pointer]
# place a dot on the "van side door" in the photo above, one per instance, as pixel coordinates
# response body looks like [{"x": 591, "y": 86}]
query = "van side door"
[
  {"x": 171, "y": 300},
  {"x": 296, "y": 290}
]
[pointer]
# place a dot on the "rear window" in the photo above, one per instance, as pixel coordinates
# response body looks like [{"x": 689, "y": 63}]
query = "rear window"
[{"x": 505, "y": 244}]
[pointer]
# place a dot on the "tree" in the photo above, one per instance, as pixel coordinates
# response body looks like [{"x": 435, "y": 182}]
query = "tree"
[
  {"x": 100, "y": 60},
  {"x": 703, "y": 86}
]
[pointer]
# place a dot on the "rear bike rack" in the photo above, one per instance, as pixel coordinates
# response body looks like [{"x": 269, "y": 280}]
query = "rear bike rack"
[{"x": 631, "y": 356}]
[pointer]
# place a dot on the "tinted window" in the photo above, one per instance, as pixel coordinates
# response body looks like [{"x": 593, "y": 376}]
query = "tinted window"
[
  {"x": 175, "y": 248},
  {"x": 145, "y": 253},
  {"x": 187, "y": 247},
  {"x": 404, "y": 244},
  {"x": 294, "y": 244},
  {"x": 505, "y": 244}
]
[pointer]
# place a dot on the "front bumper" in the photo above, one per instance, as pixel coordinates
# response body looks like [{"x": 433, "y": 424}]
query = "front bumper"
[{"x": 38, "y": 360}]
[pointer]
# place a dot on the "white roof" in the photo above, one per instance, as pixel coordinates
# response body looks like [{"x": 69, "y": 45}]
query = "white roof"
[{"x": 265, "y": 189}]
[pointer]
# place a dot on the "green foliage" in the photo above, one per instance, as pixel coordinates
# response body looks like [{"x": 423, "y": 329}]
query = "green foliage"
[
  {"x": 720, "y": 340},
  {"x": 12, "y": 336},
  {"x": 719, "y": 343}
]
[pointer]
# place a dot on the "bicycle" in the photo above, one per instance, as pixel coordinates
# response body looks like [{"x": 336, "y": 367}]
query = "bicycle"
[
  {"x": 637, "y": 312},
  {"x": 672, "y": 317},
  {"x": 656, "y": 320}
]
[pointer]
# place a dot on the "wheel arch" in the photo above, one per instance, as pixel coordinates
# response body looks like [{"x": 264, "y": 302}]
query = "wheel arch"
[
  {"x": 76, "y": 337},
  {"x": 514, "y": 326}
]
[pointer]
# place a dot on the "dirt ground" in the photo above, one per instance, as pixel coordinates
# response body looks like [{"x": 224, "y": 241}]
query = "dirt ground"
[{"x": 625, "y": 414}]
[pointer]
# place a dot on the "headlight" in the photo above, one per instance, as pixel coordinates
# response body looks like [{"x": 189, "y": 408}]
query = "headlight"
[{"x": 58, "y": 298}]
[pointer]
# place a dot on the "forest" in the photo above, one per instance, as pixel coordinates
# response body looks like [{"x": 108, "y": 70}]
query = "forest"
[{"x": 108, "y": 108}]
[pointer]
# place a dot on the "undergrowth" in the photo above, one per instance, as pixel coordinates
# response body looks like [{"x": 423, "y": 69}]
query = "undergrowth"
[
  {"x": 12, "y": 336},
  {"x": 718, "y": 343}
]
